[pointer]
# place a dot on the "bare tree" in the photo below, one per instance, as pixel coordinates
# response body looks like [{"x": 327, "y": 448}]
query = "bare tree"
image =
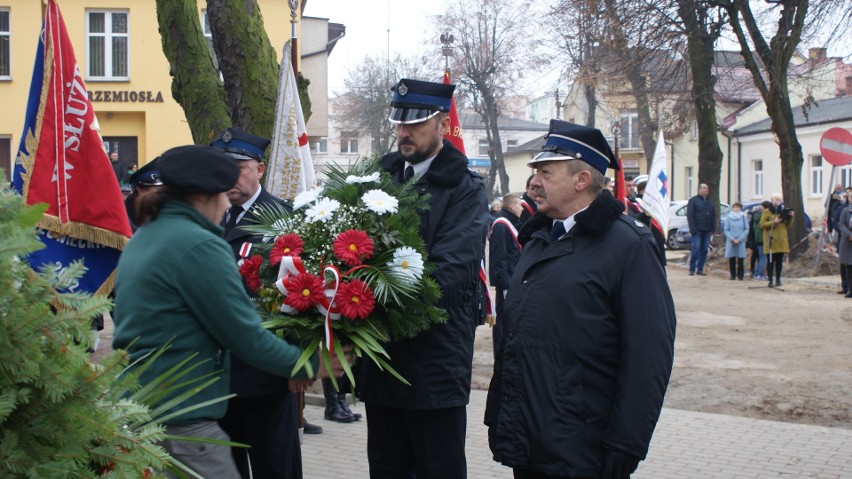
[
  {"x": 638, "y": 48},
  {"x": 702, "y": 25},
  {"x": 769, "y": 63},
  {"x": 580, "y": 27},
  {"x": 363, "y": 107},
  {"x": 494, "y": 48}
]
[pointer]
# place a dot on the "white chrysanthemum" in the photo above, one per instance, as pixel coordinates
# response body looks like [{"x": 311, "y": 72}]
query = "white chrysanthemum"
[
  {"x": 380, "y": 202},
  {"x": 363, "y": 179},
  {"x": 407, "y": 262},
  {"x": 322, "y": 210},
  {"x": 306, "y": 198}
]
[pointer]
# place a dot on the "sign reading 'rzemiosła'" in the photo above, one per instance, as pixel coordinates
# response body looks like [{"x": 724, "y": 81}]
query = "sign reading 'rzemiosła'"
[{"x": 125, "y": 96}]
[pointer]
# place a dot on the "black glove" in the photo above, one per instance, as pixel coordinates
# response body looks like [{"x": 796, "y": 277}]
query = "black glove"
[{"x": 619, "y": 465}]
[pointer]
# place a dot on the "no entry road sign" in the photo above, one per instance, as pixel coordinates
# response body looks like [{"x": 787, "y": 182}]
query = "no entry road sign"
[{"x": 836, "y": 146}]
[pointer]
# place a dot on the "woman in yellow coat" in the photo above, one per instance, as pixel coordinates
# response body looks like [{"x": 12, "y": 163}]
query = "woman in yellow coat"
[{"x": 774, "y": 222}]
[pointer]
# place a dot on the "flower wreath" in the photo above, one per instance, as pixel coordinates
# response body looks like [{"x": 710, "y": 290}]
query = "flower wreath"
[{"x": 347, "y": 267}]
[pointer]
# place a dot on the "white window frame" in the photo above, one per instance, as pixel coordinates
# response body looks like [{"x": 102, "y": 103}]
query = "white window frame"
[
  {"x": 322, "y": 145},
  {"x": 690, "y": 182},
  {"x": 844, "y": 176},
  {"x": 483, "y": 147},
  {"x": 348, "y": 142},
  {"x": 628, "y": 120},
  {"x": 693, "y": 131},
  {"x": 511, "y": 144},
  {"x": 7, "y": 34},
  {"x": 757, "y": 178},
  {"x": 816, "y": 176},
  {"x": 108, "y": 36},
  {"x": 208, "y": 35}
]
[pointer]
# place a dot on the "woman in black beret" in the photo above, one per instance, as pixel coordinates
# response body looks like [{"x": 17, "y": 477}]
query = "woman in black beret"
[{"x": 177, "y": 284}]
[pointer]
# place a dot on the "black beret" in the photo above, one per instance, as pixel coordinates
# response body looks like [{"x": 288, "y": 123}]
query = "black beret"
[
  {"x": 198, "y": 169},
  {"x": 242, "y": 145}
]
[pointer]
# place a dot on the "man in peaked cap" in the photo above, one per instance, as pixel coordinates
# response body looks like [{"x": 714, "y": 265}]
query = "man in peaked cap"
[
  {"x": 420, "y": 429},
  {"x": 264, "y": 413},
  {"x": 144, "y": 180},
  {"x": 588, "y": 325}
]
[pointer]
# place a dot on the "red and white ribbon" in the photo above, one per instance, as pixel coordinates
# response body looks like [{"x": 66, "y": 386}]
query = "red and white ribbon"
[
  {"x": 292, "y": 266},
  {"x": 245, "y": 249}
]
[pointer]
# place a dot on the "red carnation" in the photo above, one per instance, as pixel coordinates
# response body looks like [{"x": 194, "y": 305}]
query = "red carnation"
[
  {"x": 304, "y": 290},
  {"x": 250, "y": 271},
  {"x": 355, "y": 299},
  {"x": 353, "y": 247},
  {"x": 287, "y": 245}
]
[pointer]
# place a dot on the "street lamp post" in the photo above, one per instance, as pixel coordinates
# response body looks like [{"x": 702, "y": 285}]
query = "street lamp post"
[{"x": 447, "y": 40}]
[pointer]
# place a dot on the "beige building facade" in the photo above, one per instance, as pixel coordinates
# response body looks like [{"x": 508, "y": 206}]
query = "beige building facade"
[{"x": 118, "y": 48}]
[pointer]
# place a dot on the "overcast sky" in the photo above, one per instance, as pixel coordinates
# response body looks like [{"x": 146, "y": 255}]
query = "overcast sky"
[{"x": 371, "y": 26}]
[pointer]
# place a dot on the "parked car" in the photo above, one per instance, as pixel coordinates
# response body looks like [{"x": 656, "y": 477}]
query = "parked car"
[{"x": 677, "y": 218}]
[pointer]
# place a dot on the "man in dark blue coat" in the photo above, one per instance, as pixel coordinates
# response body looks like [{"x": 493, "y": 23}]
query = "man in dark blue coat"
[
  {"x": 702, "y": 221},
  {"x": 588, "y": 326},
  {"x": 263, "y": 415},
  {"x": 503, "y": 253},
  {"x": 420, "y": 429}
]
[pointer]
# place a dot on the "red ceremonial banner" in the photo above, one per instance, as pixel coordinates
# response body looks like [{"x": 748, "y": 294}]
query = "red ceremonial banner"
[{"x": 70, "y": 170}]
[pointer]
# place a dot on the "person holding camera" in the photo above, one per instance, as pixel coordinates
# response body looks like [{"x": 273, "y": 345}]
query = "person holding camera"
[
  {"x": 774, "y": 222},
  {"x": 844, "y": 227}
]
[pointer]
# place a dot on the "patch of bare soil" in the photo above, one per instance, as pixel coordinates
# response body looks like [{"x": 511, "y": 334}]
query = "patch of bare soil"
[{"x": 748, "y": 350}]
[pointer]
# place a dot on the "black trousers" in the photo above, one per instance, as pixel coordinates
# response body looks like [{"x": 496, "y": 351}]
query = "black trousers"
[
  {"x": 412, "y": 443},
  {"x": 775, "y": 263},
  {"x": 736, "y": 267},
  {"x": 268, "y": 425}
]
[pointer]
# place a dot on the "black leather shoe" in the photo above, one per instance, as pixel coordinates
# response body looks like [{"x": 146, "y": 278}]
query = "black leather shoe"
[
  {"x": 842, "y": 291},
  {"x": 848, "y": 295},
  {"x": 701, "y": 273},
  {"x": 692, "y": 273},
  {"x": 345, "y": 407},
  {"x": 312, "y": 429},
  {"x": 770, "y": 284},
  {"x": 334, "y": 412},
  {"x": 778, "y": 284}
]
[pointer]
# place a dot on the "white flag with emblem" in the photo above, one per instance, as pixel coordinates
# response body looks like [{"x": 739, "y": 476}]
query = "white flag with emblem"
[
  {"x": 655, "y": 201},
  {"x": 291, "y": 168}
]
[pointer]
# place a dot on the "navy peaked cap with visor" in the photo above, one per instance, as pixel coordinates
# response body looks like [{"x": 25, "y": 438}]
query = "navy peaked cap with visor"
[
  {"x": 147, "y": 175},
  {"x": 241, "y": 145},
  {"x": 415, "y": 101},
  {"x": 568, "y": 141}
]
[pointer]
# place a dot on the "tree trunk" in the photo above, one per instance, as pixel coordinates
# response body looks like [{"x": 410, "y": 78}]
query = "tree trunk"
[
  {"x": 498, "y": 166},
  {"x": 590, "y": 94},
  {"x": 248, "y": 62},
  {"x": 639, "y": 87},
  {"x": 195, "y": 81},
  {"x": 700, "y": 44}
]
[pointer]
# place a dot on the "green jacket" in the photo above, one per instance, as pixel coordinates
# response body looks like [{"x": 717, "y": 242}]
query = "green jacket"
[{"x": 177, "y": 281}]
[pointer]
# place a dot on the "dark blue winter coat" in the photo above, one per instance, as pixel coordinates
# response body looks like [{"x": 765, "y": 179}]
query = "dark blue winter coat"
[
  {"x": 438, "y": 363},
  {"x": 587, "y": 349},
  {"x": 700, "y": 214}
]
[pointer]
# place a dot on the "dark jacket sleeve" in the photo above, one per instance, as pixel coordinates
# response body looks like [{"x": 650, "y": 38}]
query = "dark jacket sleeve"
[
  {"x": 457, "y": 244},
  {"x": 690, "y": 215},
  {"x": 646, "y": 337},
  {"x": 498, "y": 256}
]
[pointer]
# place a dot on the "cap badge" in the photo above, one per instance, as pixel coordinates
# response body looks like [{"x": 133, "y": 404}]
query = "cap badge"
[
  {"x": 227, "y": 136},
  {"x": 402, "y": 89},
  {"x": 638, "y": 224}
]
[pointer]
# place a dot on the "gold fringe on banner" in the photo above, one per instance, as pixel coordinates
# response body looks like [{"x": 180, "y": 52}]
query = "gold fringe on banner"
[{"x": 84, "y": 232}]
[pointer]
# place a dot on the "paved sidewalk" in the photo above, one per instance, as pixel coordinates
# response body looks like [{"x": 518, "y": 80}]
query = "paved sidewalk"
[{"x": 686, "y": 444}]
